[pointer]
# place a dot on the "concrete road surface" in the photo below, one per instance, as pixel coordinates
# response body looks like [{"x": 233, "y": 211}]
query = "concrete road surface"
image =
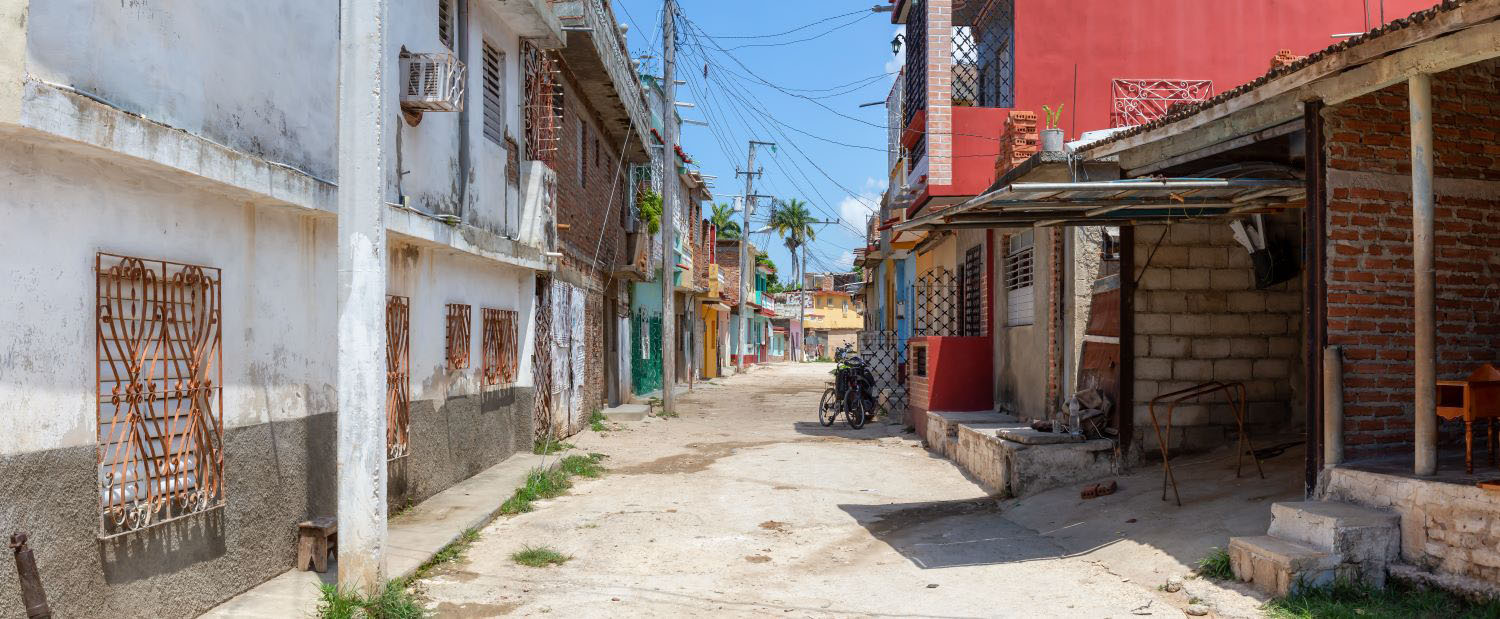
[{"x": 744, "y": 506}]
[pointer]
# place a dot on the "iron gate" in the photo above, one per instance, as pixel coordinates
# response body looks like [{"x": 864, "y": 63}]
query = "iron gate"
[
  {"x": 645, "y": 351},
  {"x": 883, "y": 353},
  {"x": 541, "y": 360},
  {"x": 936, "y": 296}
]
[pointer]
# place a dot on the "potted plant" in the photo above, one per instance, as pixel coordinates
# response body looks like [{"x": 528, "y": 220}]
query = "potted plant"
[{"x": 1052, "y": 135}]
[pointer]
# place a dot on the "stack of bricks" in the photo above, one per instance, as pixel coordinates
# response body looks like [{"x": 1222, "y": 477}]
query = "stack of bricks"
[
  {"x": 1284, "y": 58},
  {"x": 1019, "y": 142}
]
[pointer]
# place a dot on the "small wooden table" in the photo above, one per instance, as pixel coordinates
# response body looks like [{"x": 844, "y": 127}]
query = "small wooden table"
[
  {"x": 1475, "y": 398},
  {"x": 315, "y": 539}
]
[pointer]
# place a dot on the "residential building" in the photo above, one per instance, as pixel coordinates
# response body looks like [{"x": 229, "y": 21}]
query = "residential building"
[{"x": 833, "y": 319}]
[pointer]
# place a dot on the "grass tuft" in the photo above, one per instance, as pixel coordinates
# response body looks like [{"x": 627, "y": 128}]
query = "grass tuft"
[
  {"x": 597, "y": 421},
  {"x": 539, "y": 556},
  {"x": 448, "y": 554},
  {"x": 1215, "y": 565},
  {"x": 539, "y": 484},
  {"x": 548, "y": 446},
  {"x": 582, "y": 466},
  {"x": 393, "y": 602},
  {"x": 1398, "y": 599}
]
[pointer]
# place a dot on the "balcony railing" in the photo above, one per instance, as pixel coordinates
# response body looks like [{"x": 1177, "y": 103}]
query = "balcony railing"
[{"x": 596, "y": 19}]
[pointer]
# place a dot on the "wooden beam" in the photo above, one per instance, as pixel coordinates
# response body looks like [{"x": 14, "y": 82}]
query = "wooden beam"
[{"x": 1214, "y": 149}]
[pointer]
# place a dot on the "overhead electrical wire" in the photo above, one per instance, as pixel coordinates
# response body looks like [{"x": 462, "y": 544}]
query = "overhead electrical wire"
[{"x": 797, "y": 29}]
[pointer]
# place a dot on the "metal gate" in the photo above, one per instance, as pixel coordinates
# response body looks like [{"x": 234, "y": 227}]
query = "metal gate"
[
  {"x": 936, "y": 298},
  {"x": 883, "y": 353},
  {"x": 645, "y": 351},
  {"x": 397, "y": 376},
  {"x": 541, "y": 360}
]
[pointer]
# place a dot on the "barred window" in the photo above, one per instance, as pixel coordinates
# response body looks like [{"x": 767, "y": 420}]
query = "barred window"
[
  {"x": 397, "y": 377},
  {"x": 1020, "y": 306},
  {"x": 499, "y": 346},
  {"x": 494, "y": 101},
  {"x": 158, "y": 364},
  {"x": 457, "y": 341}
]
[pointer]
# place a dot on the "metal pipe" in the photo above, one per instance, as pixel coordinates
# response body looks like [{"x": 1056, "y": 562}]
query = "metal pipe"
[
  {"x": 1333, "y": 406},
  {"x": 1425, "y": 323},
  {"x": 362, "y": 297},
  {"x": 32, "y": 594}
]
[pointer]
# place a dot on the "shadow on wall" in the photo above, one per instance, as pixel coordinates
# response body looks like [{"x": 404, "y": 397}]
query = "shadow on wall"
[{"x": 163, "y": 549}]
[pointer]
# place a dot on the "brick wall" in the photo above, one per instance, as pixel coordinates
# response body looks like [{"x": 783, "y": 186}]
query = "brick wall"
[
  {"x": 1369, "y": 263},
  {"x": 728, "y": 257},
  {"x": 939, "y": 92},
  {"x": 595, "y": 204},
  {"x": 1199, "y": 318}
]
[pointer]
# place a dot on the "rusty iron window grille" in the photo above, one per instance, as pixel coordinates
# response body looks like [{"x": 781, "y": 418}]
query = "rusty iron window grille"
[
  {"x": 544, "y": 101},
  {"x": 500, "y": 346},
  {"x": 936, "y": 294},
  {"x": 494, "y": 100},
  {"x": 916, "y": 77},
  {"x": 445, "y": 22},
  {"x": 1020, "y": 301},
  {"x": 1137, "y": 102},
  {"x": 984, "y": 67},
  {"x": 397, "y": 377},
  {"x": 973, "y": 291},
  {"x": 457, "y": 340},
  {"x": 541, "y": 360},
  {"x": 160, "y": 396}
]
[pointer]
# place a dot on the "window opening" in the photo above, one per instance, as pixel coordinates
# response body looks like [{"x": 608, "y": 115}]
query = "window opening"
[{"x": 494, "y": 102}]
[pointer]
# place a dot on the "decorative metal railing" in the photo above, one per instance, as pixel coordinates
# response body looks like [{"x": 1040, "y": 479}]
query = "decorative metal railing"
[
  {"x": 543, "y": 104},
  {"x": 597, "y": 19},
  {"x": 499, "y": 346},
  {"x": 456, "y": 340},
  {"x": 397, "y": 377},
  {"x": 1137, "y": 102},
  {"x": 936, "y": 303}
]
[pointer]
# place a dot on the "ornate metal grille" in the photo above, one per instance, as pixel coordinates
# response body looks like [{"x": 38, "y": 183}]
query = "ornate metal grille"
[
  {"x": 893, "y": 127},
  {"x": 984, "y": 64},
  {"x": 1137, "y": 102},
  {"x": 973, "y": 291},
  {"x": 397, "y": 376},
  {"x": 916, "y": 74},
  {"x": 883, "y": 353},
  {"x": 160, "y": 440},
  {"x": 541, "y": 360},
  {"x": 499, "y": 346},
  {"x": 936, "y": 294},
  {"x": 544, "y": 101},
  {"x": 645, "y": 351},
  {"x": 457, "y": 339}
]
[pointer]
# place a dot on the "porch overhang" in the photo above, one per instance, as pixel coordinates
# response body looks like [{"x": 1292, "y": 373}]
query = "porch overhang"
[{"x": 1115, "y": 202}]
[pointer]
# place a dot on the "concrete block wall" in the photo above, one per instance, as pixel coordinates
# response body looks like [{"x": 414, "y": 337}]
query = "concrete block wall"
[
  {"x": 1369, "y": 263},
  {"x": 1199, "y": 318}
]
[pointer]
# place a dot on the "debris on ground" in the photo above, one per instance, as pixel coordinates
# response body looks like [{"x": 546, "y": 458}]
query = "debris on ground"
[
  {"x": 1100, "y": 489},
  {"x": 1174, "y": 584},
  {"x": 1196, "y": 610}
]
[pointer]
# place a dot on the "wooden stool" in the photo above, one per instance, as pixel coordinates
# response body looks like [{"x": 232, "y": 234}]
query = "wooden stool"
[{"x": 315, "y": 539}]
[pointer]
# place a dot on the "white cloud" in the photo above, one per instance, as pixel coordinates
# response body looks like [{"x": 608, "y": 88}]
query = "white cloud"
[
  {"x": 845, "y": 261},
  {"x": 855, "y": 210}
]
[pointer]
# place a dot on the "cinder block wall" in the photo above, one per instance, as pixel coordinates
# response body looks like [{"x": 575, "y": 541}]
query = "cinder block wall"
[
  {"x": 1199, "y": 318},
  {"x": 1369, "y": 264}
]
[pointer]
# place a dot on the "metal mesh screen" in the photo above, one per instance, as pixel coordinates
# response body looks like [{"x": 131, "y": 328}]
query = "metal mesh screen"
[
  {"x": 936, "y": 295},
  {"x": 983, "y": 55},
  {"x": 882, "y": 351}
]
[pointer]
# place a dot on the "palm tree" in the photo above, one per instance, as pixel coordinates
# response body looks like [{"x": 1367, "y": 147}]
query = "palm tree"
[
  {"x": 723, "y": 221},
  {"x": 793, "y": 223}
]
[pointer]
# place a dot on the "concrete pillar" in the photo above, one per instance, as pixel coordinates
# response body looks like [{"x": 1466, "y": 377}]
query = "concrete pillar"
[
  {"x": 1333, "y": 406},
  {"x": 361, "y": 305},
  {"x": 1425, "y": 300}
]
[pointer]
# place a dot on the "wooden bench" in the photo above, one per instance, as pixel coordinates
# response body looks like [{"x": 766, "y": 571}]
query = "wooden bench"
[{"x": 315, "y": 539}]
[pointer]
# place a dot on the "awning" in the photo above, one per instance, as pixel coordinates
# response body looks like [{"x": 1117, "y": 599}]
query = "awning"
[{"x": 1115, "y": 202}]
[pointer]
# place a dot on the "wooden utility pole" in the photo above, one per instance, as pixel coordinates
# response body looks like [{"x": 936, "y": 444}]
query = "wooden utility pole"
[{"x": 669, "y": 205}]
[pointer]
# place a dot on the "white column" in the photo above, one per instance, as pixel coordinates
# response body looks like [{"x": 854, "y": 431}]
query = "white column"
[
  {"x": 1424, "y": 301},
  {"x": 361, "y": 305}
]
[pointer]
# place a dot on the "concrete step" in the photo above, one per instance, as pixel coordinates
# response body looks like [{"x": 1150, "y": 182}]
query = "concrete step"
[
  {"x": 1280, "y": 567},
  {"x": 627, "y": 412},
  {"x": 1356, "y": 534}
]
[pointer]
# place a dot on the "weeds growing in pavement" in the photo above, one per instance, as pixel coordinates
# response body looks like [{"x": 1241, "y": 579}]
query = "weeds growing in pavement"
[
  {"x": 582, "y": 466},
  {"x": 1215, "y": 566},
  {"x": 1398, "y": 599},
  {"x": 546, "y": 484},
  {"x": 448, "y": 554},
  {"x": 597, "y": 421},
  {"x": 539, "y": 556},
  {"x": 393, "y": 602},
  {"x": 548, "y": 446}
]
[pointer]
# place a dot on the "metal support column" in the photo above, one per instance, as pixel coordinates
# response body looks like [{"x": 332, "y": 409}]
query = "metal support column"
[{"x": 1425, "y": 324}]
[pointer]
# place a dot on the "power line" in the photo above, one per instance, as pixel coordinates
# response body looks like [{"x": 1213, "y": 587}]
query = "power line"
[
  {"x": 820, "y": 35},
  {"x": 802, "y": 27}
]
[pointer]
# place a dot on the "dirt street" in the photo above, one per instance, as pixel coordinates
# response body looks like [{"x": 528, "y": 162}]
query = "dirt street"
[{"x": 745, "y": 506}]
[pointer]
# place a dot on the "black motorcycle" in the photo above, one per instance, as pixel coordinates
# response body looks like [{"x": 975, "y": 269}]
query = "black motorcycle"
[{"x": 852, "y": 393}]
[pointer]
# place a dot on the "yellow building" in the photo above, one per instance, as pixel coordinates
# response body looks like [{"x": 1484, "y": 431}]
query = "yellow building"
[{"x": 832, "y": 320}]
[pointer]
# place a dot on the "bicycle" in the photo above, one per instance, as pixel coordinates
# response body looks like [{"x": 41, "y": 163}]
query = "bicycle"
[{"x": 852, "y": 393}]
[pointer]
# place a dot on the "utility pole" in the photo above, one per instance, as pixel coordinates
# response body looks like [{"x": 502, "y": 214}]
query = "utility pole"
[
  {"x": 361, "y": 303},
  {"x": 668, "y": 205},
  {"x": 802, "y": 283},
  {"x": 746, "y": 269}
]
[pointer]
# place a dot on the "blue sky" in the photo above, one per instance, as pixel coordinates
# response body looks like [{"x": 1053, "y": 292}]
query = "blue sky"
[{"x": 802, "y": 94}]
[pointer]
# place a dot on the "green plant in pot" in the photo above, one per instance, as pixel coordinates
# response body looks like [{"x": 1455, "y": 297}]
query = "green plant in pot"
[{"x": 1052, "y": 134}]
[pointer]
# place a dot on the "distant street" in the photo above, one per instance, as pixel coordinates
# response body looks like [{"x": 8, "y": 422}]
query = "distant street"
[{"x": 745, "y": 506}]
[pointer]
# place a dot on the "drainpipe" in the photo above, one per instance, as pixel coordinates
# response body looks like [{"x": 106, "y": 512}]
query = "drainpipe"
[
  {"x": 1422, "y": 251},
  {"x": 361, "y": 300},
  {"x": 1333, "y": 406},
  {"x": 464, "y": 161}
]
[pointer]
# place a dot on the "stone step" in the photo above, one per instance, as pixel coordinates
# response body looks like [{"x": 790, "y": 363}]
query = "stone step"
[
  {"x": 627, "y": 412},
  {"x": 1280, "y": 567},
  {"x": 1356, "y": 534}
]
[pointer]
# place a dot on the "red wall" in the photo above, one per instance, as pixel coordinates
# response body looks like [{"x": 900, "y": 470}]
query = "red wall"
[
  {"x": 1228, "y": 41},
  {"x": 976, "y": 135}
]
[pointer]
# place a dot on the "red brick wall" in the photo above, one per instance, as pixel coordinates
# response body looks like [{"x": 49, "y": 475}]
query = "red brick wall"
[
  {"x": 1369, "y": 264},
  {"x": 588, "y": 207}
]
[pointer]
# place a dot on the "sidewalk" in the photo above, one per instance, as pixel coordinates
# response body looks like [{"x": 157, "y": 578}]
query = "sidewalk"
[{"x": 413, "y": 538}]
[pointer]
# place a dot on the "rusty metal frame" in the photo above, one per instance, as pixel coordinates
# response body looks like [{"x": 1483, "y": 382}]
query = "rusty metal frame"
[
  {"x": 456, "y": 340},
  {"x": 499, "y": 347},
  {"x": 158, "y": 372},
  {"x": 397, "y": 377},
  {"x": 543, "y": 104},
  {"x": 541, "y": 359},
  {"x": 1174, "y": 398}
]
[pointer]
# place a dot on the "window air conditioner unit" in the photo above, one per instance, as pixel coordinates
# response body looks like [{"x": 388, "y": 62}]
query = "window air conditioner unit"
[{"x": 432, "y": 82}]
